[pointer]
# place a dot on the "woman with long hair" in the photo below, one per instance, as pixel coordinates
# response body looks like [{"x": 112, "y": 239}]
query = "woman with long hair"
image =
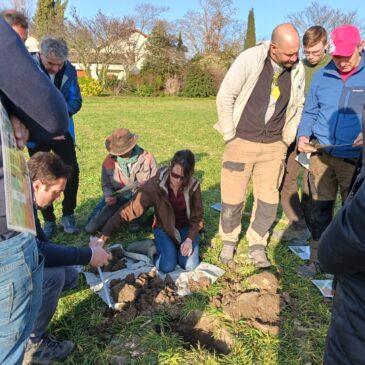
[{"x": 176, "y": 197}]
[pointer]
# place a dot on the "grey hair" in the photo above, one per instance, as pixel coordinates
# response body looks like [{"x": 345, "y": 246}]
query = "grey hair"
[{"x": 56, "y": 46}]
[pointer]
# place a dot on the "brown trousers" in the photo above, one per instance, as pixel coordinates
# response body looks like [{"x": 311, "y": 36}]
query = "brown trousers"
[
  {"x": 297, "y": 210},
  {"x": 264, "y": 162},
  {"x": 327, "y": 174}
]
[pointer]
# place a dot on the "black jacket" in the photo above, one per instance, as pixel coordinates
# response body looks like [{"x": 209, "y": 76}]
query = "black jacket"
[
  {"x": 342, "y": 252},
  {"x": 56, "y": 255},
  {"x": 28, "y": 93}
]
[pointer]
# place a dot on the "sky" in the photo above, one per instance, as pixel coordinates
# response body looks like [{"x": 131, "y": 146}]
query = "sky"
[{"x": 267, "y": 13}]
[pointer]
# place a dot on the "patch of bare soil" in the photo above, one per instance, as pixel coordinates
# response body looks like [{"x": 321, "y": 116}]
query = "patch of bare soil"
[
  {"x": 260, "y": 304},
  {"x": 203, "y": 330}
]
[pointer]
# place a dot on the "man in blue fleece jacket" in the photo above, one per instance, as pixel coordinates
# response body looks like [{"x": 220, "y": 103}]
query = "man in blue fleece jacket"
[
  {"x": 332, "y": 116},
  {"x": 49, "y": 176}
]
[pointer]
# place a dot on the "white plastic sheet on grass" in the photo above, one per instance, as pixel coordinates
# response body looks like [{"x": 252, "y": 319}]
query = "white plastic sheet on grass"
[{"x": 138, "y": 264}]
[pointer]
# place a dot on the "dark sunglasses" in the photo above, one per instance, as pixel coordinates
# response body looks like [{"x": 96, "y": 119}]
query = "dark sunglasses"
[{"x": 176, "y": 176}]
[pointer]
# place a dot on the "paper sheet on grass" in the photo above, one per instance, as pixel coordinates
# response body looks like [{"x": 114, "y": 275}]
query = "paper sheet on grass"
[
  {"x": 302, "y": 251},
  {"x": 138, "y": 264},
  {"x": 325, "y": 287},
  {"x": 217, "y": 206}
]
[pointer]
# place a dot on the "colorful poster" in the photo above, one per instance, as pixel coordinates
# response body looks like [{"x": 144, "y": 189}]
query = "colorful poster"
[{"x": 18, "y": 190}]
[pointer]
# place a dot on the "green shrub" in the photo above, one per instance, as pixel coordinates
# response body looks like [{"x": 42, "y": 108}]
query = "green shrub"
[
  {"x": 90, "y": 87},
  {"x": 145, "y": 90},
  {"x": 198, "y": 83},
  {"x": 146, "y": 84}
]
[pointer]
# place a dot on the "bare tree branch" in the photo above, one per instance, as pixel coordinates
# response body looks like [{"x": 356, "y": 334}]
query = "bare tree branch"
[
  {"x": 210, "y": 29},
  {"x": 326, "y": 16}
]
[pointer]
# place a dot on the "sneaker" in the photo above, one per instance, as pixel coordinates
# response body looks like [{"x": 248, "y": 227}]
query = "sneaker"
[
  {"x": 227, "y": 253},
  {"x": 45, "y": 351},
  {"x": 310, "y": 270},
  {"x": 292, "y": 234},
  {"x": 146, "y": 247},
  {"x": 49, "y": 229},
  {"x": 69, "y": 224},
  {"x": 258, "y": 257}
]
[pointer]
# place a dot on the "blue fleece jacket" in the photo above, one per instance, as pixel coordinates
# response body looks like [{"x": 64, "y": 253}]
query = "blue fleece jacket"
[
  {"x": 70, "y": 90},
  {"x": 333, "y": 109}
]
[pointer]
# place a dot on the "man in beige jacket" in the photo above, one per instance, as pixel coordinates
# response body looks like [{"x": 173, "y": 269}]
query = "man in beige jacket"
[{"x": 259, "y": 107}]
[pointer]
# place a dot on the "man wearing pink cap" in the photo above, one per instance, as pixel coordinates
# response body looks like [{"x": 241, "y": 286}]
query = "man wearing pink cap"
[{"x": 332, "y": 120}]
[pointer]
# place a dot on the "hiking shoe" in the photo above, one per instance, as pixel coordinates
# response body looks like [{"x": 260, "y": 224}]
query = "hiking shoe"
[
  {"x": 310, "y": 270},
  {"x": 69, "y": 224},
  {"x": 45, "y": 351},
  {"x": 49, "y": 229},
  {"x": 145, "y": 247},
  {"x": 292, "y": 234},
  {"x": 227, "y": 253},
  {"x": 258, "y": 257}
]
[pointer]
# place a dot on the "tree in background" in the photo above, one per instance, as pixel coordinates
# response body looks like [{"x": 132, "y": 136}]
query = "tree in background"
[
  {"x": 326, "y": 16},
  {"x": 49, "y": 18},
  {"x": 165, "y": 54},
  {"x": 208, "y": 30},
  {"x": 250, "y": 38}
]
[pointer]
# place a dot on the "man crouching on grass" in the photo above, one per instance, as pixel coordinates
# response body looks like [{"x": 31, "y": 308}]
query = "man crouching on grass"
[{"x": 49, "y": 176}]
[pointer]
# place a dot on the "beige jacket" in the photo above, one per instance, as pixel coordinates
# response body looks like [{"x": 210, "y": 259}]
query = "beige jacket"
[{"x": 237, "y": 87}]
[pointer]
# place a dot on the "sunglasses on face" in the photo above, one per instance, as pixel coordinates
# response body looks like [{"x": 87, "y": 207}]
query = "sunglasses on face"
[{"x": 176, "y": 176}]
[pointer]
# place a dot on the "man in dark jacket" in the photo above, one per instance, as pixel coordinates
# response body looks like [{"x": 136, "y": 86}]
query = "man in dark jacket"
[
  {"x": 49, "y": 177},
  {"x": 342, "y": 252},
  {"x": 52, "y": 59},
  {"x": 28, "y": 94}
]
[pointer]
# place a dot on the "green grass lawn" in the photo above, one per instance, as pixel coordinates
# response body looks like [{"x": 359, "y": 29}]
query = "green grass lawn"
[{"x": 164, "y": 126}]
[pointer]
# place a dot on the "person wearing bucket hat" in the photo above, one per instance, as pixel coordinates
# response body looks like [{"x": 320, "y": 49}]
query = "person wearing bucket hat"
[
  {"x": 332, "y": 115},
  {"x": 126, "y": 167}
]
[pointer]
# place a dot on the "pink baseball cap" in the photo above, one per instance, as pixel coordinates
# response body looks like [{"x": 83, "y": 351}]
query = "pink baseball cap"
[{"x": 344, "y": 40}]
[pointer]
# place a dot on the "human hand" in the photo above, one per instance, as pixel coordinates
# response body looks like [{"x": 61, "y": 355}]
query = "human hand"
[
  {"x": 104, "y": 238},
  {"x": 21, "y": 132},
  {"x": 100, "y": 257},
  {"x": 304, "y": 145},
  {"x": 358, "y": 142},
  {"x": 110, "y": 200},
  {"x": 186, "y": 248},
  {"x": 96, "y": 242}
]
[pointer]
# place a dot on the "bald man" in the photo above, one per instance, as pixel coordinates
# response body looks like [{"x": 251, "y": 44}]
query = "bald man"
[{"x": 259, "y": 103}]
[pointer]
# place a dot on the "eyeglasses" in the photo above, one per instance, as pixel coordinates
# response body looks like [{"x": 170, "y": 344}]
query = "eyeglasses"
[
  {"x": 314, "y": 53},
  {"x": 176, "y": 176}
]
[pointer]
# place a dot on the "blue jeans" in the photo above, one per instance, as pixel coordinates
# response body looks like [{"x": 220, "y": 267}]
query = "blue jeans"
[
  {"x": 169, "y": 253},
  {"x": 21, "y": 276},
  {"x": 101, "y": 214},
  {"x": 55, "y": 281}
]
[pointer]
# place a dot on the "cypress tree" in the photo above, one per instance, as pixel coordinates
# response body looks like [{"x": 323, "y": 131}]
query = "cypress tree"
[
  {"x": 250, "y": 39},
  {"x": 49, "y": 17}
]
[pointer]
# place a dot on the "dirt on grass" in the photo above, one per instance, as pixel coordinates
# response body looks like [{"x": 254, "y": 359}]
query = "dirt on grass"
[
  {"x": 144, "y": 294},
  {"x": 115, "y": 263},
  {"x": 260, "y": 303}
]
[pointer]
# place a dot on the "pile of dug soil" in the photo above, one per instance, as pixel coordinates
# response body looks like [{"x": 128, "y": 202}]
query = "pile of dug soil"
[
  {"x": 115, "y": 263},
  {"x": 144, "y": 294},
  {"x": 260, "y": 305}
]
